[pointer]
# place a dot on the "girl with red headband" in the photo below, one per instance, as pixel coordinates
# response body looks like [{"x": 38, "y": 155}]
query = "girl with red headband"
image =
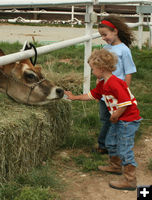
[{"x": 118, "y": 37}]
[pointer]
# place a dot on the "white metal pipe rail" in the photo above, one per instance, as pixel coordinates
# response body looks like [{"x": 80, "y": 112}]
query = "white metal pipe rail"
[
  {"x": 61, "y": 13},
  {"x": 45, "y": 3},
  {"x": 41, "y": 12},
  {"x": 41, "y": 50},
  {"x": 41, "y": 3}
]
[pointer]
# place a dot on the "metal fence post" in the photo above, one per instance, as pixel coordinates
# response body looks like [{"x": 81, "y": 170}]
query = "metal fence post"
[
  {"x": 140, "y": 30},
  {"x": 72, "y": 15},
  {"x": 150, "y": 32},
  {"x": 88, "y": 49}
]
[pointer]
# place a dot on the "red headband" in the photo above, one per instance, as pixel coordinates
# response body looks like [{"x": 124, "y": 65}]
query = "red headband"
[{"x": 107, "y": 23}]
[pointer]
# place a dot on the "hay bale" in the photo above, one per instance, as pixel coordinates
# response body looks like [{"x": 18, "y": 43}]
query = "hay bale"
[
  {"x": 29, "y": 134},
  {"x": 68, "y": 81}
]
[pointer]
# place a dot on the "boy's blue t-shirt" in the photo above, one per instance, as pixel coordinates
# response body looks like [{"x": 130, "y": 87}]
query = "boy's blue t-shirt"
[{"x": 125, "y": 64}]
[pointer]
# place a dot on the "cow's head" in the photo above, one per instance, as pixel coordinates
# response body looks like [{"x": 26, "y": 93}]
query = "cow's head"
[{"x": 25, "y": 83}]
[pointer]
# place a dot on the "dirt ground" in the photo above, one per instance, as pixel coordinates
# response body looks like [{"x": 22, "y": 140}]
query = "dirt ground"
[
  {"x": 48, "y": 35},
  {"x": 94, "y": 185}
]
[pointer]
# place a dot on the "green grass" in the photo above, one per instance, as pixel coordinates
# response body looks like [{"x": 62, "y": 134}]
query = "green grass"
[
  {"x": 28, "y": 193},
  {"x": 10, "y": 48},
  {"x": 41, "y": 177},
  {"x": 39, "y": 184},
  {"x": 91, "y": 162},
  {"x": 150, "y": 164},
  {"x": 42, "y": 183},
  {"x": 15, "y": 192},
  {"x": 141, "y": 84}
]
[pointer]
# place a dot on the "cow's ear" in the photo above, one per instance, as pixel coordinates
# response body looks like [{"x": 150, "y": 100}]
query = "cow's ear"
[
  {"x": 1, "y": 52},
  {"x": 26, "y": 61},
  {"x": 2, "y": 67},
  {"x": 37, "y": 68}
]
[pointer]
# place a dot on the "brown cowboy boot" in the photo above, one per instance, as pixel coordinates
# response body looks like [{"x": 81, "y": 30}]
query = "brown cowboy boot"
[
  {"x": 129, "y": 181},
  {"x": 114, "y": 167}
]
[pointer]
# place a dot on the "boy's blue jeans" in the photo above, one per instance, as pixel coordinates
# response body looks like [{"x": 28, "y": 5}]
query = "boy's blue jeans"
[
  {"x": 104, "y": 118},
  {"x": 120, "y": 141}
]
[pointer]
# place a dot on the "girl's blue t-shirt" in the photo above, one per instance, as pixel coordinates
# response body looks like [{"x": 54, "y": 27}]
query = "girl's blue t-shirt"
[{"x": 125, "y": 64}]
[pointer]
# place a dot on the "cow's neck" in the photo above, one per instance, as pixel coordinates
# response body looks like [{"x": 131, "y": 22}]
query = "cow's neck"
[{"x": 3, "y": 81}]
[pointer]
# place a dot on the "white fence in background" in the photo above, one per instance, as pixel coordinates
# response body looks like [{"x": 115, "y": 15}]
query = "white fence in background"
[{"x": 90, "y": 18}]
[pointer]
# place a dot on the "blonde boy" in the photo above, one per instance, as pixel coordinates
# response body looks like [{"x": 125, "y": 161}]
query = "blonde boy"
[{"x": 124, "y": 116}]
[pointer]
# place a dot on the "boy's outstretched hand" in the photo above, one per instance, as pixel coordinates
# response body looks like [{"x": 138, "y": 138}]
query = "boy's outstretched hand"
[
  {"x": 69, "y": 95},
  {"x": 81, "y": 97}
]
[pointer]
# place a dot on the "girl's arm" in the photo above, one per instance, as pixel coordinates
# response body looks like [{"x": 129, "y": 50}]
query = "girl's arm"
[
  {"x": 82, "y": 97},
  {"x": 128, "y": 79},
  {"x": 115, "y": 116}
]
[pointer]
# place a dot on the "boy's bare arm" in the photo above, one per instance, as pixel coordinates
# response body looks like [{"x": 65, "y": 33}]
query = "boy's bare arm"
[
  {"x": 82, "y": 97},
  {"x": 115, "y": 116},
  {"x": 97, "y": 81}
]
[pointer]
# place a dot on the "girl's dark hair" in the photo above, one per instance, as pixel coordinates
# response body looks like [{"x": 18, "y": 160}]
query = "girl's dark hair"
[{"x": 124, "y": 32}]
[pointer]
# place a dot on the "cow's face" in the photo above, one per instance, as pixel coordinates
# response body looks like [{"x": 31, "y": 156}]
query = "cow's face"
[{"x": 26, "y": 84}]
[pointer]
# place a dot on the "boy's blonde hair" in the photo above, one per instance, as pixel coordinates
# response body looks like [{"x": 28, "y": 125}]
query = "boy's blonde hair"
[{"x": 103, "y": 59}]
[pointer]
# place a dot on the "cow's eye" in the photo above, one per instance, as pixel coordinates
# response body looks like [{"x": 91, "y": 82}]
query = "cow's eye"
[{"x": 30, "y": 77}]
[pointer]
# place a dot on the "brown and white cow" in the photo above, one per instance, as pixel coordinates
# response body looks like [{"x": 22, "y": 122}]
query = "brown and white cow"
[{"x": 25, "y": 83}]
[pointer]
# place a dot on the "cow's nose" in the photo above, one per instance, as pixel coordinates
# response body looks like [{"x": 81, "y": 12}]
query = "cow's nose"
[{"x": 60, "y": 92}]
